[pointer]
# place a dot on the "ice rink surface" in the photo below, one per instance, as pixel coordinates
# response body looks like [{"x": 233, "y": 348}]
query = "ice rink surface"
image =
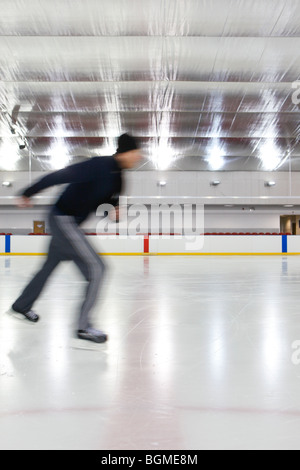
[{"x": 203, "y": 353}]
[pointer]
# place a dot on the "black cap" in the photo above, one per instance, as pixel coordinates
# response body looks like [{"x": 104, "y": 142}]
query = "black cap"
[{"x": 126, "y": 143}]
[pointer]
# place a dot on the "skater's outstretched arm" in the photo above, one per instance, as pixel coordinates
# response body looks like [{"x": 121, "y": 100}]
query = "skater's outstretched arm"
[{"x": 77, "y": 173}]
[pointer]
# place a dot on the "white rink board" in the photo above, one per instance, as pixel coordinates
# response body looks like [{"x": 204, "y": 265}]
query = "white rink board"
[
  {"x": 218, "y": 244},
  {"x": 293, "y": 243},
  {"x": 30, "y": 244},
  {"x": 112, "y": 244},
  {"x": 116, "y": 244},
  {"x": 102, "y": 244},
  {"x": 243, "y": 244},
  {"x": 2, "y": 243}
]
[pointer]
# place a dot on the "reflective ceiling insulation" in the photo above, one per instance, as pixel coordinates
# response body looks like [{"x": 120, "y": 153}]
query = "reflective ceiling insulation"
[{"x": 204, "y": 84}]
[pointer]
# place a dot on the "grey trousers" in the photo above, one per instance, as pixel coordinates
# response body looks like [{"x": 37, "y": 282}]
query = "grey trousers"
[{"x": 68, "y": 243}]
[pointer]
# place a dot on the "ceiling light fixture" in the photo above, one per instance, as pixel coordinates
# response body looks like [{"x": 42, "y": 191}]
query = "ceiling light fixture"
[
  {"x": 9, "y": 155},
  {"x": 215, "y": 183},
  {"x": 7, "y": 184},
  {"x": 270, "y": 183},
  {"x": 163, "y": 155},
  {"x": 21, "y": 143},
  {"x": 59, "y": 155},
  {"x": 216, "y": 159},
  {"x": 269, "y": 155}
]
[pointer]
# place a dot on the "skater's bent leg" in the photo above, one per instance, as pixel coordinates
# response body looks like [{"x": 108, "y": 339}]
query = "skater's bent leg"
[
  {"x": 94, "y": 271},
  {"x": 87, "y": 260},
  {"x": 69, "y": 243},
  {"x": 26, "y": 300}
]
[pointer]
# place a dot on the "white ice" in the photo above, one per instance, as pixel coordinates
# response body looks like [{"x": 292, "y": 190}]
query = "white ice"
[{"x": 202, "y": 354}]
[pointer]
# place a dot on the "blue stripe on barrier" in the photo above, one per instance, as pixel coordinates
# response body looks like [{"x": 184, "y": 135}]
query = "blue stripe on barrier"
[
  {"x": 284, "y": 243},
  {"x": 7, "y": 243}
]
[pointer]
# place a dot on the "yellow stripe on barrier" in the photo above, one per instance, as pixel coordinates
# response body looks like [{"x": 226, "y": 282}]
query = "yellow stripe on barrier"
[
  {"x": 208, "y": 254},
  {"x": 45, "y": 254},
  {"x": 165, "y": 254},
  {"x": 23, "y": 254}
]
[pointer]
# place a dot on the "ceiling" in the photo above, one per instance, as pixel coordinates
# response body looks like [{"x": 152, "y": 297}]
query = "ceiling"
[{"x": 204, "y": 85}]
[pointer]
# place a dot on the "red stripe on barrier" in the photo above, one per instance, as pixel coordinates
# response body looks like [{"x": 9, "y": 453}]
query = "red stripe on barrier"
[{"x": 146, "y": 244}]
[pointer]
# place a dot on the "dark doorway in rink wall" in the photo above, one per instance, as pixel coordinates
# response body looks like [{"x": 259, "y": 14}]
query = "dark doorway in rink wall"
[{"x": 290, "y": 224}]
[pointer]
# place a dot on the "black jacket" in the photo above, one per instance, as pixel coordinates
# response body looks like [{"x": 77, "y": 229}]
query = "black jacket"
[{"x": 92, "y": 183}]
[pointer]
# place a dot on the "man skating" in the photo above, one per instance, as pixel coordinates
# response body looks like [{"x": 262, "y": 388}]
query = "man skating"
[{"x": 90, "y": 184}]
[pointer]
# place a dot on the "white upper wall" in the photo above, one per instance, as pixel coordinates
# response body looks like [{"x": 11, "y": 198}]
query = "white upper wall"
[{"x": 235, "y": 187}]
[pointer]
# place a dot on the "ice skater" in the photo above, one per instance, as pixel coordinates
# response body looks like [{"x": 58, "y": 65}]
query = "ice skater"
[{"x": 91, "y": 184}]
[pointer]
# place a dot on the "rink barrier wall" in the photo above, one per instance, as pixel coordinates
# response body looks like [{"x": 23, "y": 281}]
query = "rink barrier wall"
[{"x": 208, "y": 244}]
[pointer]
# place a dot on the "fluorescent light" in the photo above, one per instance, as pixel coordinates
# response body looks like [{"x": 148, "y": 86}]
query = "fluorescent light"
[
  {"x": 7, "y": 184},
  {"x": 9, "y": 155},
  {"x": 109, "y": 147},
  {"x": 270, "y": 183},
  {"x": 59, "y": 155},
  {"x": 216, "y": 157},
  {"x": 269, "y": 155},
  {"x": 161, "y": 183},
  {"x": 163, "y": 155}
]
